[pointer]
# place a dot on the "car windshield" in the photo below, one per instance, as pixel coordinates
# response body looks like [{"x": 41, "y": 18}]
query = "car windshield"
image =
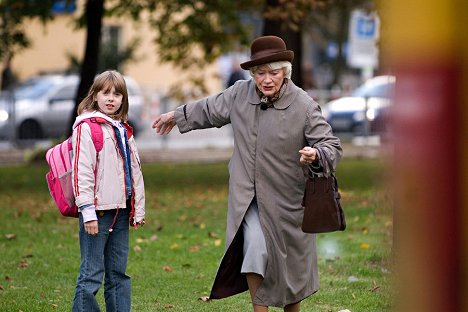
[
  {"x": 33, "y": 89},
  {"x": 382, "y": 90}
]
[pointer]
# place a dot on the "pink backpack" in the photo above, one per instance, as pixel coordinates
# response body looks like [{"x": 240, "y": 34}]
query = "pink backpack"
[{"x": 59, "y": 178}]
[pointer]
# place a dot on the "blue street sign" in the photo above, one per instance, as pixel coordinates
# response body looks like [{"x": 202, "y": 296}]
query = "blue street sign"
[{"x": 365, "y": 27}]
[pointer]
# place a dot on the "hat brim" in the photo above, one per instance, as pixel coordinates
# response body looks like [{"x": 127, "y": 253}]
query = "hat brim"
[{"x": 280, "y": 56}]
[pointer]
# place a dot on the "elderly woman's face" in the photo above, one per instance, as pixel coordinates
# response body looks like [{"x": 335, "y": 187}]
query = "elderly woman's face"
[{"x": 268, "y": 80}]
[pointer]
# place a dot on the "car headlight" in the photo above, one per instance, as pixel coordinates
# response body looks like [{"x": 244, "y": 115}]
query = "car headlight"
[
  {"x": 3, "y": 115},
  {"x": 370, "y": 114}
]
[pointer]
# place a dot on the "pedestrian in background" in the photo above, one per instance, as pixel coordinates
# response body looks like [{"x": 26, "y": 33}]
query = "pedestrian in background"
[
  {"x": 236, "y": 74},
  {"x": 109, "y": 191},
  {"x": 277, "y": 128}
]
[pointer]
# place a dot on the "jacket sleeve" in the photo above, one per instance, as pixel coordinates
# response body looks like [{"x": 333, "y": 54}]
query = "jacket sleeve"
[
  {"x": 138, "y": 183},
  {"x": 209, "y": 112},
  {"x": 319, "y": 134},
  {"x": 84, "y": 162}
]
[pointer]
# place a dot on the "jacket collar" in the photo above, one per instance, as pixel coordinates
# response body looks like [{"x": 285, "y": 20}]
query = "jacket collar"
[
  {"x": 282, "y": 103},
  {"x": 102, "y": 118}
]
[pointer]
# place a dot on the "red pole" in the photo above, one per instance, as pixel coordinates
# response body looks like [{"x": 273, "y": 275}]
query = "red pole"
[{"x": 430, "y": 154}]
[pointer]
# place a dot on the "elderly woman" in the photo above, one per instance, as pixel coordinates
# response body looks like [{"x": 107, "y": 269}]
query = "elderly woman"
[{"x": 277, "y": 131}]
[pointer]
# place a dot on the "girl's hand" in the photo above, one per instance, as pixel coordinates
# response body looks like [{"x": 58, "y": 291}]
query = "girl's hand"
[
  {"x": 308, "y": 155},
  {"x": 141, "y": 223},
  {"x": 164, "y": 123},
  {"x": 91, "y": 227}
]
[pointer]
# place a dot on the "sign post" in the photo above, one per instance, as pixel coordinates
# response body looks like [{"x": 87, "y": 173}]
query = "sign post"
[{"x": 362, "y": 48}]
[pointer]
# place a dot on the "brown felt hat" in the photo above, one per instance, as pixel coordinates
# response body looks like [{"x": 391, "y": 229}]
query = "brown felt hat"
[{"x": 267, "y": 49}]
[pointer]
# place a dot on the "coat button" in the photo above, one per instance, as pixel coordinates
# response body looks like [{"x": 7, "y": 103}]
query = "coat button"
[{"x": 101, "y": 213}]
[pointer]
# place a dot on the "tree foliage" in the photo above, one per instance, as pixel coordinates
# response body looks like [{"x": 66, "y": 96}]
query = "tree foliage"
[
  {"x": 189, "y": 34},
  {"x": 12, "y": 15}
]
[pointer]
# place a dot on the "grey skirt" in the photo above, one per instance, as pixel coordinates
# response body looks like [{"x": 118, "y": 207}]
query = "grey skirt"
[{"x": 255, "y": 251}]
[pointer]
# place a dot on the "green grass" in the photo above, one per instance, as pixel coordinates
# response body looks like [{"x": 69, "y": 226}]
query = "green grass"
[{"x": 173, "y": 259}]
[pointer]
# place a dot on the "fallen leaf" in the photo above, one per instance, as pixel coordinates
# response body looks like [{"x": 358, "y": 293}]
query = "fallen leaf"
[
  {"x": 137, "y": 248},
  {"x": 375, "y": 288},
  {"x": 204, "y": 298},
  {"x": 174, "y": 246},
  {"x": 217, "y": 242},
  {"x": 352, "y": 278},
  {"x": 10, "y": 236},
  {"x": 194, "y": 248},
  {"x": 384, "y": 270},
  {"x": 202, "y": 226},
  {"x": 364, "y": 246},
  {"x": 365, "y": 231},
  {"x": 345, "y": 310},
  {"x": 1, "y": 287},
  {"x": 169, "y": 306},
  {"x": 212, "y": 235},
  {"x": 153, "y": 238},
  {"x": 23, "y": 264},
  {"x": 54, "y": 305},
  {"x": 168, "y": 268}
]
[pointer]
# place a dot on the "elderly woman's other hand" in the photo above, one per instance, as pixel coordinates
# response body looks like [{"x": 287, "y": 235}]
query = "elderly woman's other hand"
[
  {"x": 164, "y": 123},
  {"x": 308, "y": 155}
]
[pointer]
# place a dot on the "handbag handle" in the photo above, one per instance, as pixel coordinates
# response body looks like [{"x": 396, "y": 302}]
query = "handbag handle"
[
  {"x": 328, "y": 167},
  {"x": 325, "y": 162}
]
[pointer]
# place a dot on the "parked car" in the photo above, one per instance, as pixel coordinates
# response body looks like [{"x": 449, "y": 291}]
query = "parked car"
[
  {"x": 369, "y": 103},
  {"x": 43, "y": 106}
]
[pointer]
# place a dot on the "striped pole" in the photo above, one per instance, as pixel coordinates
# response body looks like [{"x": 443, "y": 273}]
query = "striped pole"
[{"x": 426, "y": 46}]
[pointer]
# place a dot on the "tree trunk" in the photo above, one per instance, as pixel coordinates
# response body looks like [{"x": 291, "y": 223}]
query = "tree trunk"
[
  {"x": 340, "y": 62},
  {"x": 93, "y": 12},
  {"x": 293, "y": 40}
]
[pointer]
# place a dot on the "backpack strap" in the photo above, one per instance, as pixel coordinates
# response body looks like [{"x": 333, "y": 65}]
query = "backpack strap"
[{"x": 97, "y": 135}]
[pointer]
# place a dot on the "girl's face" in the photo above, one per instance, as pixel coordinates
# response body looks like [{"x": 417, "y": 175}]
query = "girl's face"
[
  {"x": 268, "y": 80},
  {"x": 109, "y": 100}
]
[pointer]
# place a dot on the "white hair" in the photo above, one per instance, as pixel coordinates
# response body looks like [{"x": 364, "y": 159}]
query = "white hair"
[{"x": 285, "y": 65}]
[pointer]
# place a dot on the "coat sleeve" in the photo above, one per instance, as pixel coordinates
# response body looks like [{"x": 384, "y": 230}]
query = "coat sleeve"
[
  {"x": 84, "y": 161},
  {"x": 209, "y": 112},
  {"x": 138, "y": 183},
  {"x": 319, "y": 134}
]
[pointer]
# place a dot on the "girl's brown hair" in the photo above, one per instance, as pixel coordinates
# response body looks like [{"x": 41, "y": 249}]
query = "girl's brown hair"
[{"x": 105, "y": 81}]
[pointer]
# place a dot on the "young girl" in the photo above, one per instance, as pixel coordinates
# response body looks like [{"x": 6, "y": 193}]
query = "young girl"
[{"x": 109, "y": 191}]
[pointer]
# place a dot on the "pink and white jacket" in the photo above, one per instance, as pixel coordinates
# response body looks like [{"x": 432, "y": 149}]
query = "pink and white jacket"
[{"x": 99, "y": 180}]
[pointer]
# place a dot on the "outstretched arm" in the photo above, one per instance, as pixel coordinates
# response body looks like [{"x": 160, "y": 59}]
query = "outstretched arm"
[{"x": 164, "y": 123}]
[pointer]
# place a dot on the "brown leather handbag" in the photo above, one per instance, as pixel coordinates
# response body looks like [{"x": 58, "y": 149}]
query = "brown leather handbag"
[{"x": 322, "y": 207}]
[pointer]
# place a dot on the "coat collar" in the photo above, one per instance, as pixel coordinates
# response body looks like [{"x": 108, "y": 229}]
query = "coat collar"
[{"x": 283, "y": 103}]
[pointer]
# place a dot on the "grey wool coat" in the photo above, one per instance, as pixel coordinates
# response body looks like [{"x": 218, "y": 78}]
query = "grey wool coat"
[{"x": 265, "y": 163}]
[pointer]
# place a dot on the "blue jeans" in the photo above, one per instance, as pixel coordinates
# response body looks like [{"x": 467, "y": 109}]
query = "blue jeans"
[{"x": 105, "y": 256}]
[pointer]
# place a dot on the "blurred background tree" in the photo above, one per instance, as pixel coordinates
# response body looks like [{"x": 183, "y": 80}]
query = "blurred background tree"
[
  {"x": 190, "y": 34},
  {"x": 12, "y": 15}
]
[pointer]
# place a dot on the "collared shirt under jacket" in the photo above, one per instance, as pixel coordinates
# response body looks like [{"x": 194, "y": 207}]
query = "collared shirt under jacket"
[{"x": 265, "y": 163}]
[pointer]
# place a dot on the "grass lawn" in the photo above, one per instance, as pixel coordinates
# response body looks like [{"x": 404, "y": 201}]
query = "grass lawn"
[{"x": 173, "y": 259}]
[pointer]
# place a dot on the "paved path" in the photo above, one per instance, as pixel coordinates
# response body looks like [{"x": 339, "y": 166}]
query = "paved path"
[
  {"x": 208, "y": 145},
  {"x": 208, "y": 154}
]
